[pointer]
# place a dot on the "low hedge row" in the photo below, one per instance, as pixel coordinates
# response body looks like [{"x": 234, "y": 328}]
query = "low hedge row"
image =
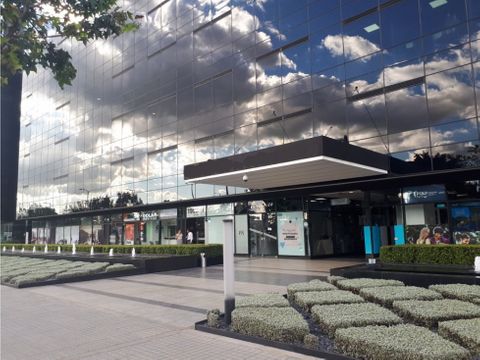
[
  {"x": 386, "y": 295},
  {"x": 333, "y": 317},
  {"x": 185, "y": 249},
  {"x": 356, "y": 285},
  {"x": 430, "y": 313},
  {"x": 429, "y": 254},
  {"x": 463, "y": 332},
  {"x": 307, "y": 299},
  {"x": 463, "y": 292},
  {"x": 262, "y": 300},
  {"x": 398, "y": 342},
  {"x": 314, "y": 285},
  {"x": 272, "y": 323}
]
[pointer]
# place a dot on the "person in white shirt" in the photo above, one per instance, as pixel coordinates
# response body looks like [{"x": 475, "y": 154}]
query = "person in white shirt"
[{"x": 189, "y": 237}]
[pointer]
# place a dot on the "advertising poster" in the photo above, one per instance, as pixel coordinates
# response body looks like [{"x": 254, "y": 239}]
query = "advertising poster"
[
  {"x": 129, "y": 234},
  {"x": 291, "y": 239},
  {"x": 428, "y": 234}
]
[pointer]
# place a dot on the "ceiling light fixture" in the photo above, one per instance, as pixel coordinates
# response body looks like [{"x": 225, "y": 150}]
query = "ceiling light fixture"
[
  {"x": 371, "y": 28},
  {"x": 437, "y": 3}
]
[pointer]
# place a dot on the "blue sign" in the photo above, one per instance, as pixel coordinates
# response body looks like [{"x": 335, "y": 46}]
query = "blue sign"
[{"x": 422, "y": 194}]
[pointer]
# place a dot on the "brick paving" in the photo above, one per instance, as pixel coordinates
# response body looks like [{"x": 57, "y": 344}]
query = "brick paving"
[{"x": 139, "y": 317}]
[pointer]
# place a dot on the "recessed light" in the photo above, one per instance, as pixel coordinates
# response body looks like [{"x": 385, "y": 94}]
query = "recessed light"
[
  {"x": 436, "y": 3},
  {"x": 371, "y": 28},
  {"x": 154, "y": 114},
  {"x": 98, "y": 99}
]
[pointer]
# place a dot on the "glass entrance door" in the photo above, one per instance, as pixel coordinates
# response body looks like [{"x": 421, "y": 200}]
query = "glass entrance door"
[{"x": 263, "y": 239}]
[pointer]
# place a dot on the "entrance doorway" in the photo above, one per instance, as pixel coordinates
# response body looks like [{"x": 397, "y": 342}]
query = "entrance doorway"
[
  {"x": 262, "y": 234},
  {"x": 197, "y": 226}
]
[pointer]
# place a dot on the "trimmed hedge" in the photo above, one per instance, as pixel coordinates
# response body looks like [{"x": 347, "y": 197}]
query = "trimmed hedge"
[
  {"x": 333, "y": 279},
  {"x": 463, "y": 292},
  {"x": 333, "y": 317},
  {"x": 429, "y": 313},
  {"x": 429, "y": 254},
  {"x": 185, "y": 249},
  {"x": 399, "y": 342},
  {"x": 310, "y": 298},
  {"x": 314, "y": 285},
  {"x": 463, "y": 332},
  {"x": 386, "y": 295},
  {"x": 273, "y": 323},
  {"x": 262, "y": 300},
  {"x": 356, "y": 285}
]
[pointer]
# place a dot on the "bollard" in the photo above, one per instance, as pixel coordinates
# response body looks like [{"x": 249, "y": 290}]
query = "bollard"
[
  {"x": 110, "y": 253},
  {"x": 46, "y": 249},
  {"x": 133, "y": 252},
  {"x": 59, "y": 250},
  {"x": 13, "y": 249},
  {"x": 74, "y": 249},
  {"x": 92, "y": 252},
  {"x": 204, "y": 260},
  {"x": 34, "y": 249},
  {"x": 4, "y": 249},
  {"x": 23, "y": 250},
  {"x": 477, "y": 264}
]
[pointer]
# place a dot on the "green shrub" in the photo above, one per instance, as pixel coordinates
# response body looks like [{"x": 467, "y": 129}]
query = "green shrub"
[
  {"x": 459, "y": 291},
  {"x": 309, "y": 286},
  {"x": 464, "y": 332},
  {"x": 262, "y": 300},
  {"x": 273, "y": 323},
  {"x": 333, "y": 317},
  {"x": 360, "y": 283},
  {"x": 119, "y": 267},
  {"x": 400, "y": 342},
  {"x": 429, "y": 313},
  {"x": 184, "y": 249},
  {"x": 213, "y": 318},
  {"x": 332, "y": 279},
  {"x": 311, "y": 341},
  {"x": 386, "y": 295},
  {"x": 428, "y": 254},
  {"x": 307, "y": 299}
]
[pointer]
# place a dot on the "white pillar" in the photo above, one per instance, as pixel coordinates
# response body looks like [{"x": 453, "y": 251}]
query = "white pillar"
[{"x": 228, "y": 269}]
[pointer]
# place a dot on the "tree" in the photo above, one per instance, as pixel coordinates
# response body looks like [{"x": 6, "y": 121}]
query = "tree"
[{"x": 31, "y": 30}]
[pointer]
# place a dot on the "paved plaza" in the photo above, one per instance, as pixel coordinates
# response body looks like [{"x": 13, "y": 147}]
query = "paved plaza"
[{"x": 148, "y": 316}]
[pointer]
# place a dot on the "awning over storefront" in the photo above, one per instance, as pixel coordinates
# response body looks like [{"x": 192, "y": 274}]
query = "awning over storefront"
[{"x": 310, "y": 161}]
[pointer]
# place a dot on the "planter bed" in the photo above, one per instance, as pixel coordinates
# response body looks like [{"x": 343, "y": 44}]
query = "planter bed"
[
  {"x": 459, "y": 291},
  {"x": 333, "y": 317},
  {"x": 429, "y": 313},
  {"x": 356, "y": 284},
  {"x": 314, "y": 285},
  {"x": 306, "y": 300},
  {"x": 262, "y": 300},
  {"x": 463, "y": 332},
  {"x": 273, "y": 323},
  {"x": 398, "y": 342},
  {"x": 386, "y": 295}
]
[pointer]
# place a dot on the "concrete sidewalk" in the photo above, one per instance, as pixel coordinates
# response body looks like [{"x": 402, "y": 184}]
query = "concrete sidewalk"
[{"x": 148, "y": 316}]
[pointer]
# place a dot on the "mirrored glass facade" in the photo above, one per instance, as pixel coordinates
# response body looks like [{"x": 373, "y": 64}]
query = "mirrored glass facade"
[{"x": 208, "y": 79}]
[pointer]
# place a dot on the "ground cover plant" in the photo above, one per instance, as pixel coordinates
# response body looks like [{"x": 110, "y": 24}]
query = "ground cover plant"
[
  {"x": 386, "y": 295},
  {"x": 356, "y": 284},
  {"x": 272, "y": 323},
  {"x": 465, "y": 332},
  {"x": 262, "y": 300},
  {"x": 332, "y": 279},
  {"x": 314, "y": 285},
  {"x": 429, "y": 313},
  {"x": 306, "y": 300},
  {"x": 398, "y": 342},
  {"x": 459, "y": 291},
  {"x": 333, "y": 317},
  {"x": 21, "y": 271}
]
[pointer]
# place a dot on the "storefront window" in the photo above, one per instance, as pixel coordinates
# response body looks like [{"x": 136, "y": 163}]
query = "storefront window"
[
  {"x": 466, "y": 223},
  {"x": 168, "y": 227},
  {"x": 86, "y": 234}
]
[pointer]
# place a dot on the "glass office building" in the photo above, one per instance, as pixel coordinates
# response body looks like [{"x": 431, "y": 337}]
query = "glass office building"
[{"x": 386, "y": 91}]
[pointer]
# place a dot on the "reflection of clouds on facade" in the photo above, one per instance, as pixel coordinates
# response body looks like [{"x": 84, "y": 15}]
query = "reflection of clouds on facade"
[
  {"x": 208, "y": 79},
  {"x": 352, "y": 47}
]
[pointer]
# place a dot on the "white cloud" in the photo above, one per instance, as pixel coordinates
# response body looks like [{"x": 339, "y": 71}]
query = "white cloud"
[{"x": 353, "y": 46}]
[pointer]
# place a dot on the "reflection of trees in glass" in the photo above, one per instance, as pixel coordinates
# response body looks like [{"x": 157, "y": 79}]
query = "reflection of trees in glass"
[
  {"x": 470, "y": 158},
  {"x": 36, "y": 210},
  {"x": 128, "y": 198}
]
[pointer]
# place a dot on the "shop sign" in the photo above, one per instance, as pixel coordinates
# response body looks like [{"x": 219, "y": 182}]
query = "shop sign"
[
  {"x": 291, "y": 239},
  {"x": 168, "y": 214},
  {"x": 422, "y": 194},
  {"x": 133, "y": 216},
  {"x": 149, "y": 215},
  {"x": 341, "y": 201},
  {"x": 195, "y": 211}
]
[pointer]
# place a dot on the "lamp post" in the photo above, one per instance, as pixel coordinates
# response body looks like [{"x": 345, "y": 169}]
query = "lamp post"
[{"x": 85, "y": 190}]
